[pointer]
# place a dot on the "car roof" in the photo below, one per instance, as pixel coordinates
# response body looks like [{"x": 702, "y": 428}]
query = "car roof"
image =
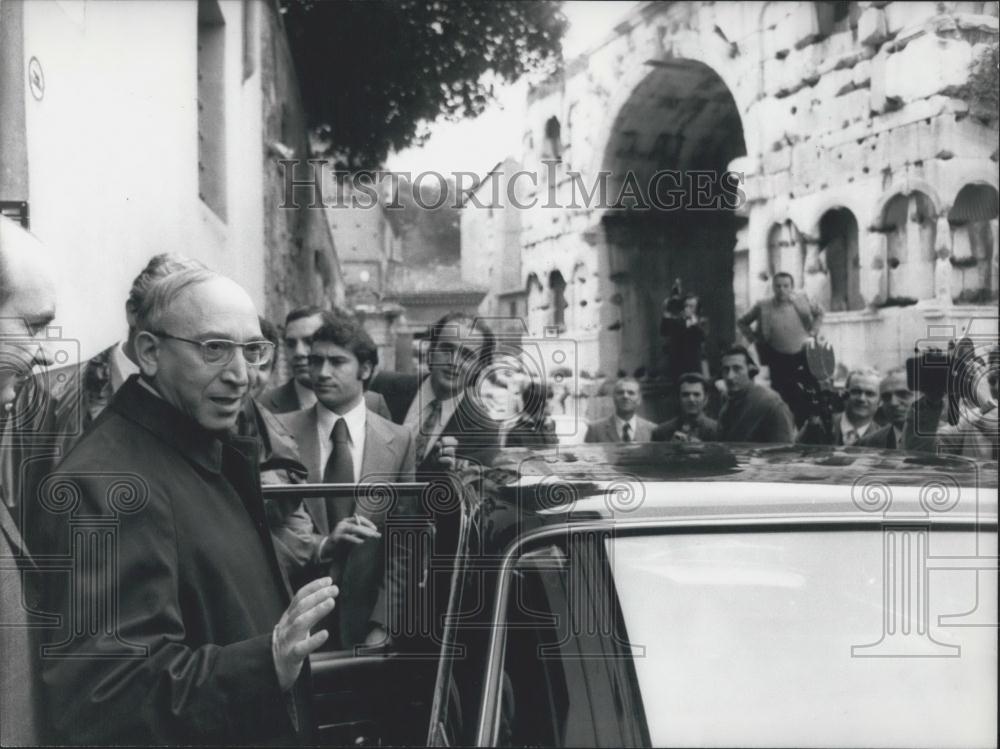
[{"x": 678, "y": 483}]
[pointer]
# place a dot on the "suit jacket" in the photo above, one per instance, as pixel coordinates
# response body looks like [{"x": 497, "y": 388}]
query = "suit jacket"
[
  {"x": 198, "y": 588},
  {"x": 359, "y": 570},
  {"x": 53, "y": 410},
  {"x": 884, "y": 438},
  {"x": 283, "y": 399},
  {"x": 604, "y": 430},
  {"x": 476, "y": 433},
  {"x": 19, "y": 682}
]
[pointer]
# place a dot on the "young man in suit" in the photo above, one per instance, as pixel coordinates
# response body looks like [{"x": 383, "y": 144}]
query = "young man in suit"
[
  {"x": 342, "y": 441},
  {"x": 297, "y": 393},
  {"x": 624, "y": 425}
]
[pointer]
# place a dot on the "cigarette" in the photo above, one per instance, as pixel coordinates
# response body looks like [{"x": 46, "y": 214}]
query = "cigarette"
[{"x": 357, "y": 518}]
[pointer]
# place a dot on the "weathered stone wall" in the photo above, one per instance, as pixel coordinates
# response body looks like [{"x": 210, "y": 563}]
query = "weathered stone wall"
[
  {"x": 301, "y": 264},
  {"x": 871, "y": 112}
]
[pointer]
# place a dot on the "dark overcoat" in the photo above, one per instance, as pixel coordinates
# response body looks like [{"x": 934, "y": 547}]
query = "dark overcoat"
[{"x": 178, "y": 596}]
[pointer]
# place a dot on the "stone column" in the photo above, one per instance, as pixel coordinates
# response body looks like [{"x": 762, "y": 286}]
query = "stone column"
[
  {"x": 995, "y": 260},
  {"x": 874, "y": 273},
  {"x": 942, "y": 263}
]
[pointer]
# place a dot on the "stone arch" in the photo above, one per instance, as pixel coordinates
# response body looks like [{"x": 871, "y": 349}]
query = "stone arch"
[
  {"x": 553, "y": 145},
  {"x": 972, "y": 222},
  {"x": 909, "y": 222},
  {"x": 680, "y": 48},
  {"x": 680, "y": 116},
  {"x": 785, "y": 251},
  {"x": 839, "y": 258},
  {"x": 905, "y": 187},
  {"x": 557, "y": 299}
]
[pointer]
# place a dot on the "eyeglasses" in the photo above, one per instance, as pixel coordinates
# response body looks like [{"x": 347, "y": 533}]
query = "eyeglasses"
[{"x": 220, "y": 351}]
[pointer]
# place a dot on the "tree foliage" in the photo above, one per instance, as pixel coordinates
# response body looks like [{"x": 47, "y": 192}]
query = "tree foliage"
[{"x": 371, "y": 72}]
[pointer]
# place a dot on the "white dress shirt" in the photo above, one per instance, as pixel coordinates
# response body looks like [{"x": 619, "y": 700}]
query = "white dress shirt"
[
  {"x": 849, "y": 433},
  {"x": 121, "y": 367},
  {"x": 620, "y": 424},
  {"x": 355, "y": 419},
  {"x": 422, "y": 405}
]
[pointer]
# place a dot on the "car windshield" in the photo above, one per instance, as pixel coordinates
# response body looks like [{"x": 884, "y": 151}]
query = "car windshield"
[{"x": 785, "y": 638}]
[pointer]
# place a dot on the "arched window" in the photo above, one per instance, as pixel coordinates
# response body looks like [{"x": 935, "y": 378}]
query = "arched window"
[
  {"x": 552, "y": 150},
  {"x": 838, "y": 241},
  {"x": 909, "y": 223},
  {"x": 973, "y": 221},
  {"x": 785, "y": 251},
  {"x": 557, "y": 287}
]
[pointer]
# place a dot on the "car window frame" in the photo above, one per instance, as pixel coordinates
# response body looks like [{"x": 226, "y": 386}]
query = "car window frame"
[{"x": 491, "y": 698}]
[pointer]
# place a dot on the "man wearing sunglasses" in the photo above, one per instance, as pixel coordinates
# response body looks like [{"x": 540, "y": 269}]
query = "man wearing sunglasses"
[
  {"x": 204, "y": 644},
  {"x": 896, "y": 398}
]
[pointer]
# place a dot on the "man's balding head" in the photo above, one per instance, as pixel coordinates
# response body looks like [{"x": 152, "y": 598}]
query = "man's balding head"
[
  {"x": 179, "y": 314},
  {"x": 27, "y": 304}
]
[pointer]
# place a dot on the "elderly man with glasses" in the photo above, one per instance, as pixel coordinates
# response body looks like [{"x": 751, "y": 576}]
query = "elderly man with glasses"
[{"x": 191, "y": 636}]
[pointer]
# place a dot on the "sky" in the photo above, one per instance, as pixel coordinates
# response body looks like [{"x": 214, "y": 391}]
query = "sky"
[{"x": 476, "y": 145}]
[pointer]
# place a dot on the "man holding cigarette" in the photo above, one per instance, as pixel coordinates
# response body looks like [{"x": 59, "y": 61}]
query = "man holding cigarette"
[{"x": 342, "y": 442}]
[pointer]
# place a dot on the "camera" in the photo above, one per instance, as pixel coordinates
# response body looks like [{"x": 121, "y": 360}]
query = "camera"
[
  {"x": 957, "y": 369},
  {"x": 551, "y": 359},
  {"x": 39, "y": 383}
]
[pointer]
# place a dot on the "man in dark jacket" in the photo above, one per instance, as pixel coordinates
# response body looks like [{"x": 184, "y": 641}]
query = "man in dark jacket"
[
  {"x": 57, "y": 406},
  {"x": 692, "y": 425},
  {"x": 751, "y": 413},
  {"x": 202, "y": 644},
  {"x": 896, "y": 398},
  {"x": 445, "y": 409}
]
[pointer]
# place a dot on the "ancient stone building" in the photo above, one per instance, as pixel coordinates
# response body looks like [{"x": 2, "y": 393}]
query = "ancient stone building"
[{"x": 866, "y": 137}]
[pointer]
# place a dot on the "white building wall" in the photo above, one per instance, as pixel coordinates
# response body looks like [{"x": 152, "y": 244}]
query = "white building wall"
[{"x": 113, "y": 152}]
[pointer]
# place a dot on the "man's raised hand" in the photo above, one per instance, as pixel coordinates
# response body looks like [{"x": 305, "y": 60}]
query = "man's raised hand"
[{"x": 291, "y": 642}]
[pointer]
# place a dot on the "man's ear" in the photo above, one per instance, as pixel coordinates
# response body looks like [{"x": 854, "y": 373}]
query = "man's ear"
[
  {"x": 147, "y": 351},
  {"x": 365, "y": 371}
]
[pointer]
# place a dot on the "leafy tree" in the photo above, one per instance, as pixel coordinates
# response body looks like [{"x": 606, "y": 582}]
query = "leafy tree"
[{"x": 372, "y": 72}]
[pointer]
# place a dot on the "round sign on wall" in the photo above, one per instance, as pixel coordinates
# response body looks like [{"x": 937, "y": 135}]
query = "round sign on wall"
[{"x": 36, "y": 78}]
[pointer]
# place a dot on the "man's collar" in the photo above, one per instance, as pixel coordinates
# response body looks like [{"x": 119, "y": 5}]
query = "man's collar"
[
  {"x": 630, "y": 420},
  {"x": 121, "y": 366},
  {"x": 139, "y": 402},
  {"x": 846, "y": 428},
  {"x": 355, "y": 419}
]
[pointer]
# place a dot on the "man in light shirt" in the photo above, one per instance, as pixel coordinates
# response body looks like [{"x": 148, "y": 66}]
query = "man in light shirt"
[
  {"x": 784, "y": 324},
  {"x": 342, "y": 442},
  {"x": 624, "y": 425}
]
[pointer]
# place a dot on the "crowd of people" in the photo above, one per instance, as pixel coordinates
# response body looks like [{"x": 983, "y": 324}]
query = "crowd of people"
[{"x": 169, "y": 435}]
